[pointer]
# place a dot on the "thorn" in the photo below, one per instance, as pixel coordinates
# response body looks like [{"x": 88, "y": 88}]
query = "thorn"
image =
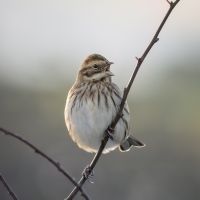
[
  {"x": 58, "y": 164},
  {"x": 137, "y": 58},
  {"x": 156, "y": 40},
  {"x": 170, "y": 2},
  {"x": 36, "y": 151}
]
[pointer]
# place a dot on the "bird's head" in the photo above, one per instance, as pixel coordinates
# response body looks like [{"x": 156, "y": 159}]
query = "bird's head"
[{"x": 95, "y": 68}]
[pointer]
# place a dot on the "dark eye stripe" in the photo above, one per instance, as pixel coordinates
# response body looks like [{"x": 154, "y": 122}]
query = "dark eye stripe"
[
  {"x": 88, "y": 72},
  {"x": 95, "y": 66},
  {"x": 94, "y": 72}
]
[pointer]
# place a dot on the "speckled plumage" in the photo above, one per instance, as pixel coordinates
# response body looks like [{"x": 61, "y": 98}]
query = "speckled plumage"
[{"x": 91, "y": 105}]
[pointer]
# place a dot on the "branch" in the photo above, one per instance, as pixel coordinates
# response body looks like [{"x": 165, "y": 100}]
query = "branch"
[
  {"x": 44, "y": 155},
  {"x": 125, "y": 94},
  {"x": 8, "y": 188}
]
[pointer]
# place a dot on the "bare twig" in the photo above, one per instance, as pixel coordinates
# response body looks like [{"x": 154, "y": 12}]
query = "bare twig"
[
  {"x": 125, "y": 94},
  {"x": 8, "y": 188},
  {"x": 44, "y": 155}
]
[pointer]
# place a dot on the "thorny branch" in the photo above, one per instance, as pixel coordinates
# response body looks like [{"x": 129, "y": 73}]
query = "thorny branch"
[
  {"x": 44, "y": 155},
  {"x": 8, "y": 188},
  {"x": 125, "y": 94}
]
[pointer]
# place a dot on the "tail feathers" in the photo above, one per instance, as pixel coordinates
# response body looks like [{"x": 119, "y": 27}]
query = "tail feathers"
[{"x": 131, "y": 141}]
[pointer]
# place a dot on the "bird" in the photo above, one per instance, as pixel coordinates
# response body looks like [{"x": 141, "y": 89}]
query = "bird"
[{"x": 92, "y": 103}]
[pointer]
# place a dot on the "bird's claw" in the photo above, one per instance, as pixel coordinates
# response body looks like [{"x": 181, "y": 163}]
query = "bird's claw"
[{"x": 110, "y": 132}]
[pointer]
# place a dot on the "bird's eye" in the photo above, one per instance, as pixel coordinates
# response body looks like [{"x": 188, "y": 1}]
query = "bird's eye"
[{"x": 95, "y": 66}]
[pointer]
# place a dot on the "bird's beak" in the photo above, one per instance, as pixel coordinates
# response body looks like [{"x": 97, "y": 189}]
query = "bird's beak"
[{"x": 108, "y": 65}]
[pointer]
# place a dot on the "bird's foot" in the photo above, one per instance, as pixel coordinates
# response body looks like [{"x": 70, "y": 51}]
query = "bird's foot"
[{"x": 109, "y": 132}]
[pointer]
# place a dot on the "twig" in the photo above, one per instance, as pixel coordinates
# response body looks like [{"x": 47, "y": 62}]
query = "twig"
[
  {"x": 8, "y": 188},
  {"x": 125, "y": 94},
  {"x": 44, "y": 155}
]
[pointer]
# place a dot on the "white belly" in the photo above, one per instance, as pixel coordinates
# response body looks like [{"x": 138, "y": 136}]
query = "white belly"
[
  {"x": 87, "y": 123},
  {"x": 88, "y": 118}
]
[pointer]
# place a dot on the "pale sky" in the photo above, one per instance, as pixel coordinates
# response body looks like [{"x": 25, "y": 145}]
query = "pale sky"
[{"x": 39, "y": 33}]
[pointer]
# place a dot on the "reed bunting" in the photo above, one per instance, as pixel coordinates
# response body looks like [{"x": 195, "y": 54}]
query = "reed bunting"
[{"x": 92, "y": 104}]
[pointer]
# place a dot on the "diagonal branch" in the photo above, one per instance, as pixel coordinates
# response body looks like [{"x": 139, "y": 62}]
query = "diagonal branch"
[
  {"x": 8, "y": 188},
  {"x": 140, "y": 61},
  {"x": 125, "y": 94},
  {"x": 44, "y": 155}
]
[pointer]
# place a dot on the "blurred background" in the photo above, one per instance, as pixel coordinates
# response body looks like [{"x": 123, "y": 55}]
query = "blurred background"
[{"x": 42, "y": 44}]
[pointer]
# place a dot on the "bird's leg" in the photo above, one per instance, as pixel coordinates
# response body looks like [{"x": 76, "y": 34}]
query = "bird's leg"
[{"x": 110, "y": 131}]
